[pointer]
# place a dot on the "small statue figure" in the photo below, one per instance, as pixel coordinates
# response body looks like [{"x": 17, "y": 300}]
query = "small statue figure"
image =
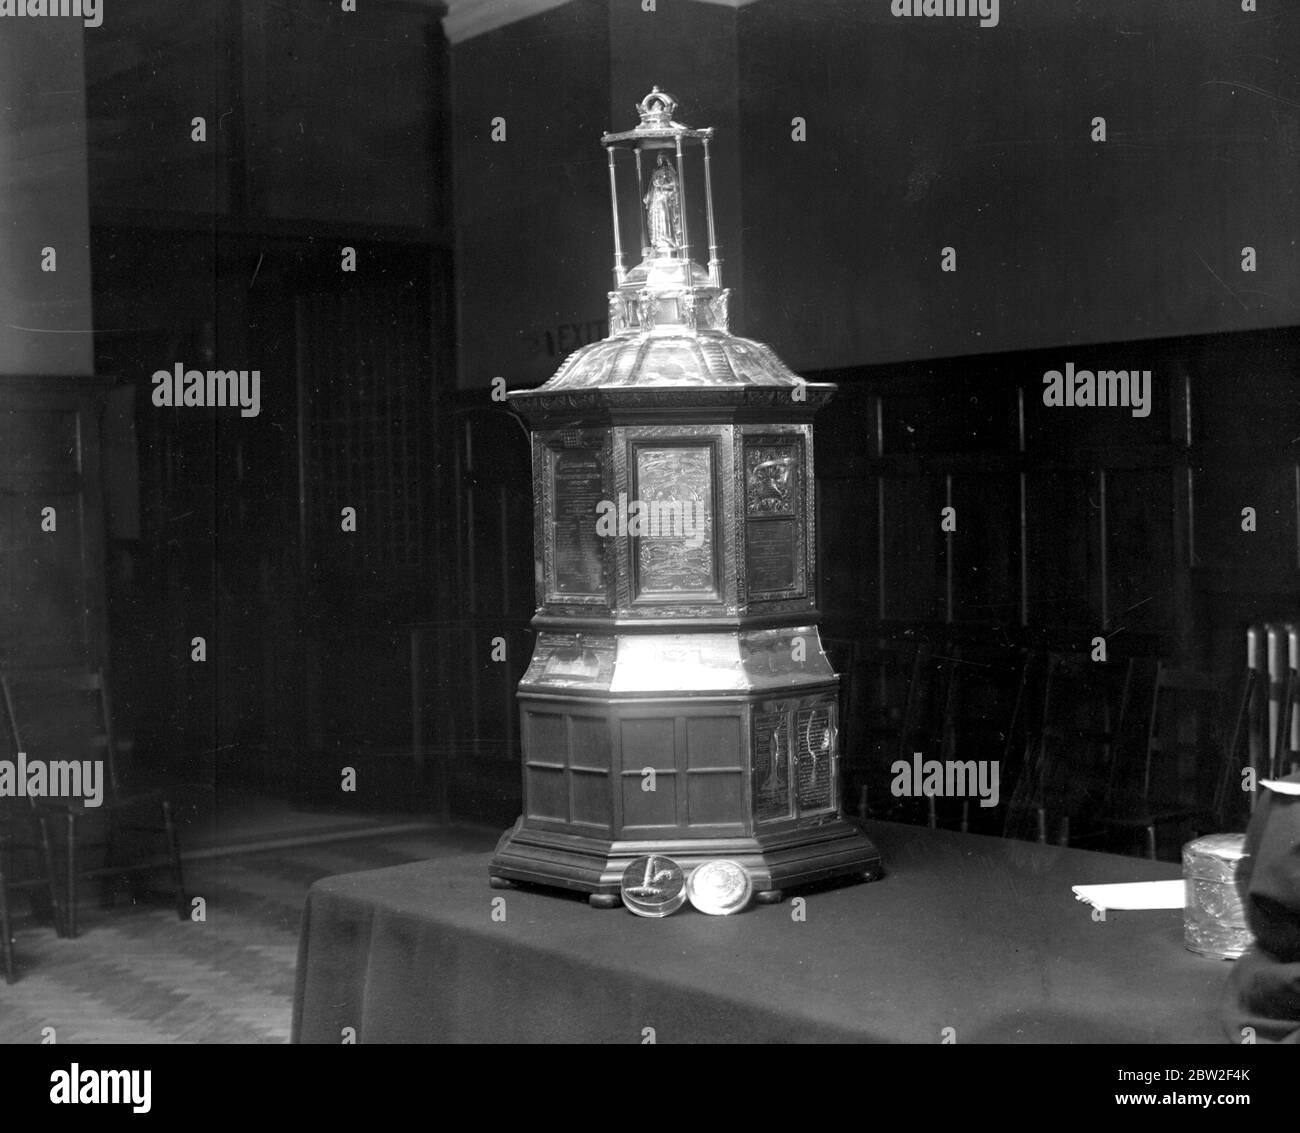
[{"x": 664, "y": 210}]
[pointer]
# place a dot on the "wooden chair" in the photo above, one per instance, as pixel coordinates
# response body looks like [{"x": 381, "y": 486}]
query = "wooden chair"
[
  {"x": 1184, "y": 737},
  {"x": 915, "y": 711},
  {"x": 881, "y": 686},
  {"x": 1227, "y": 808},
  {"x": 941, "y": 731},
  {"x": 16, "y": 817},
  {"x": 1068, "y": 754},
  {"x": 922, "y": 722},
  {"x": 1025, "y": 722},
  {"x": 69, "y": 716},
  {"x": 6, "y": 933},
  {"x": 44, "y": 886},
  {"x": 1285, "y": 757}
]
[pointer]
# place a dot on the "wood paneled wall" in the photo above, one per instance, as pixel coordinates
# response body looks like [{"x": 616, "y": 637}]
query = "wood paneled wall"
[
  {"x": 1071, "y": 522},
  {"x": 52, "y": 605}
]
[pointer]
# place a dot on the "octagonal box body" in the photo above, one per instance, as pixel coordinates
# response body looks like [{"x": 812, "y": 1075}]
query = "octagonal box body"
[{"x": 678, "y": 701}]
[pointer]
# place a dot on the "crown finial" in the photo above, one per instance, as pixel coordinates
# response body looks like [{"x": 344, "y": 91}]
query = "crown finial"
[{"x": 657, "y": 109}]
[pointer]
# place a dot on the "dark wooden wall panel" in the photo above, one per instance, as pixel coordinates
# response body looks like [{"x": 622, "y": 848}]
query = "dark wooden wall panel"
[
  {"x": 1221, "y": 491},
  {"x": 1064, "y": 581},
  {"x": 914, "y": 550},
  {"x": 1129, "y": 531},
  {"x": 52, "y": 583},
  {"x": 1140, "y": 523},
  {"x": 986, "y": 549}
]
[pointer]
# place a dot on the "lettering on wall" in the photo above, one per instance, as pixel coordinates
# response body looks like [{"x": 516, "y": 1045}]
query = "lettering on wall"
[{"x": 560, "y": 341}]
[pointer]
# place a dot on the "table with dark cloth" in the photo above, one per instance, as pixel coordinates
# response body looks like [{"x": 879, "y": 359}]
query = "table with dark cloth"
[{"x": 981, "y": 935}]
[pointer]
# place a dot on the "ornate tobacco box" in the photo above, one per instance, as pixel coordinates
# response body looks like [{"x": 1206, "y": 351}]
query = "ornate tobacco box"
[{"x": 678, "y": 703}]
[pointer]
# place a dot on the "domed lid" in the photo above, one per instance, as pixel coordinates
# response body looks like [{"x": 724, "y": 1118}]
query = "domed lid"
[{"x": 707, "y": 357}]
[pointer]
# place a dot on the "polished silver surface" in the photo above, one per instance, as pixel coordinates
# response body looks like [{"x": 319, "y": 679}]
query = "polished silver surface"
[
  {"x": 720, "y": 887},
  {"x": 679, "y": 710},
  {"x": 663, "y": 208},
  {"x": 653, "y": 886}
]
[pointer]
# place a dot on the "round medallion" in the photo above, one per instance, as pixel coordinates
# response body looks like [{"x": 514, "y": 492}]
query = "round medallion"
[
  {"x": 720, "y": 887},
  {"x": 653, "y": 886}
]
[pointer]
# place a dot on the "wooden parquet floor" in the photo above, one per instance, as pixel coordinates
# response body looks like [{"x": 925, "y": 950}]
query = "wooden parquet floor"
[{"x": 138, "y": 974}]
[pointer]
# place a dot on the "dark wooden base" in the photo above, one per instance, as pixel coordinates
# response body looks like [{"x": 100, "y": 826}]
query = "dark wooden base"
[{"x": 776, "y": 862}]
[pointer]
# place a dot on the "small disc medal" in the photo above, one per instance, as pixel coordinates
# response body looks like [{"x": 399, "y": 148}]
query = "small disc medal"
[
  {"x": 720, "y": 887},
  {"x": 653, "y": 886}
]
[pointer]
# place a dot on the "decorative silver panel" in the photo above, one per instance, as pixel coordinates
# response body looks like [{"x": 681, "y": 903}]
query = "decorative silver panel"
[
  {"x": 815, "y": 759},
  {"x": 674, "y": 485},
  {"x": 771, "y": 765}
]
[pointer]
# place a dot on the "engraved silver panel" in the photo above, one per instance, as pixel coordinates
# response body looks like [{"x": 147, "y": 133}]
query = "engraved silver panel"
[
  {"x": 571, "y": 473},
  {"x": 631, "y": 600},
  {"x": 815, "y": 759},
  {"x": 771, "y": 766},
  {"x": 578, "y": 552},
  {"x": 572, "y": 661},
  {"x": 674, "y": 485}
]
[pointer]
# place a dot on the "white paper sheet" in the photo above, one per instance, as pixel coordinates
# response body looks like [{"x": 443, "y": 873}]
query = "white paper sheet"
[
  {"x": 1133, "y": 895},
  {"x": 1281, "y": 787}
]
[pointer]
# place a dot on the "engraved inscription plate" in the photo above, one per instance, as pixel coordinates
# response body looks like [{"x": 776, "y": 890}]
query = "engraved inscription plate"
[
  {"x": 815, "y": 747},
  {"x": 771, "y": 552},
  {"x": 697, "y": 662},
  {"x": 577, "y": 666},
  {"x": 565, "y": 661},
  {"x": 779, "y": 658},
  {"x": 579, "y": 551},
  {"x": 575, "y": 663},
  {"x": 771, "y": 766},
  {"x": 774, "y": 511},
  {"x": 674, "y": 535}
]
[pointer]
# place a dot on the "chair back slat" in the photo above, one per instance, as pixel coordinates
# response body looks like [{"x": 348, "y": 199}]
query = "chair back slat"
[
  {"x": 1236, "y": 754},
  {"x": 53, "y": 714},
  {"x": 1285, "y": 755},
  {"x": 1069, "y": 748}
]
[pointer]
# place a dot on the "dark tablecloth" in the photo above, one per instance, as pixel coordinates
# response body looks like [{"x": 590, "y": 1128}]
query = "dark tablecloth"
[{"x": 977, "y": 934}]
